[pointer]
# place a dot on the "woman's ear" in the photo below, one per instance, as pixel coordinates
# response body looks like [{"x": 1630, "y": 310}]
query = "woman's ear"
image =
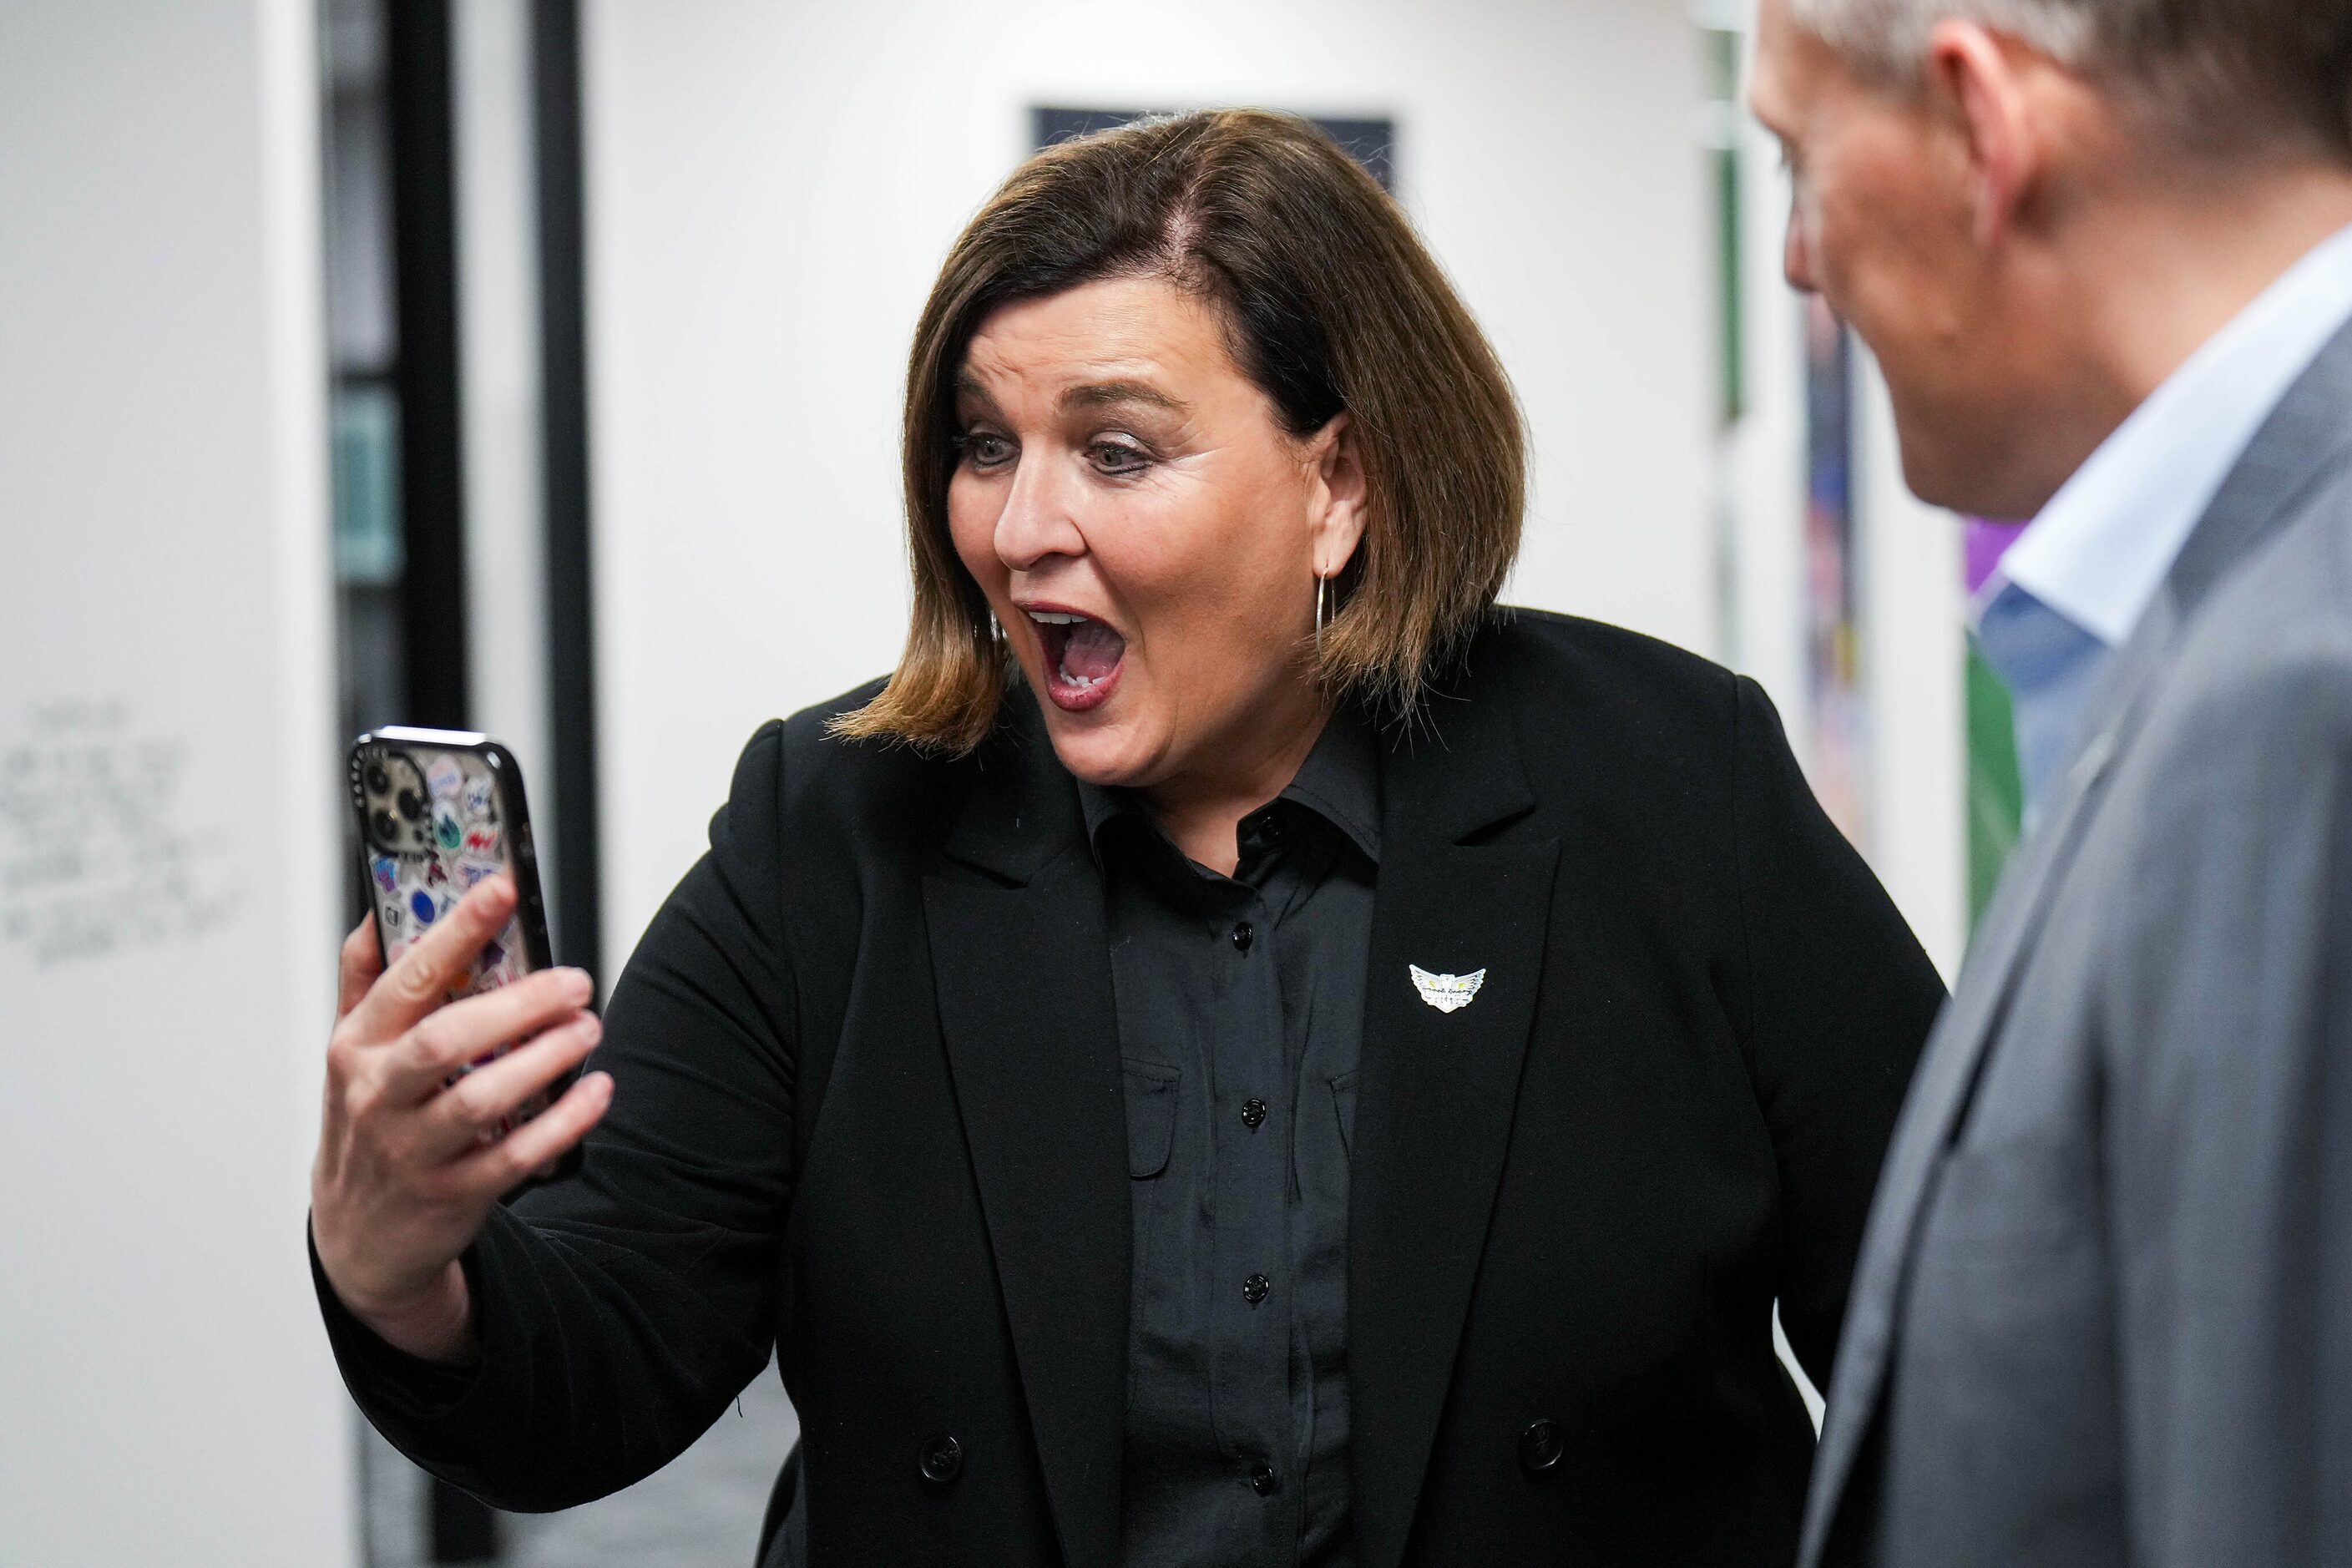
[{"x": 1338, "y": 502}]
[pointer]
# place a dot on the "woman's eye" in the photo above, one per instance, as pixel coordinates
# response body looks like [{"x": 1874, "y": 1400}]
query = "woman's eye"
[
  {"x": 985, "y": 451},
  {"x": 1118, "y": 458}
]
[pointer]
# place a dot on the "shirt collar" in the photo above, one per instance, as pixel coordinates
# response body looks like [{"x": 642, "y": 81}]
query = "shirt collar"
[
  {"x": 2101, "y": 549},
  {"x": 1339, "y": 781}
]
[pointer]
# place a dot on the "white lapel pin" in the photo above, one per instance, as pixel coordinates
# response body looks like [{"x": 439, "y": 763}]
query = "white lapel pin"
[{"x": 1446, "y": 993}]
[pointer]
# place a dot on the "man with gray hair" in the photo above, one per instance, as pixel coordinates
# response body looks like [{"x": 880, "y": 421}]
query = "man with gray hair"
[{"x": 2102, "y": 250}]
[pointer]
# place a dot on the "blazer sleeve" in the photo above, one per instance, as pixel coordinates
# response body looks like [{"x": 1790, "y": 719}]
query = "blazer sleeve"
[
  {"x": 1838, "y": 1001},
  {"x": 619, "y": 1312},
  {"x": 2226, "y": 1024}
]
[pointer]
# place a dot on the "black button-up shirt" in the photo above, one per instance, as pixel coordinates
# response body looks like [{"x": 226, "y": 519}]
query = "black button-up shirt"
[{"x": 1241, "y": 1025}]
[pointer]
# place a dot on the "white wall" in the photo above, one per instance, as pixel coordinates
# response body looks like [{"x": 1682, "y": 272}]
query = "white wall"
[
  {"x": 168, "y": 790},
  {"x": 772, "y": 187}
]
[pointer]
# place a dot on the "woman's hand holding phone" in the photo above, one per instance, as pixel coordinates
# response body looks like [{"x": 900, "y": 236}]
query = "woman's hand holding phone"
[{"x": 405, "y": 1180}]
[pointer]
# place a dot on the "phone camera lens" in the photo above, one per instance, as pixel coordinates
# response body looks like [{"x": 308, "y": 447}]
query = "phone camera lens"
[
  {"x": 378, "y": 781},
  {"x": 412, "y": 805},
  {"x": 387, "y": 830}
]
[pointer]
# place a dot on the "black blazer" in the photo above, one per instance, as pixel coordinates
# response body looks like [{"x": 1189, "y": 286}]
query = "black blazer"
[{"x": 870, "y": 1106}]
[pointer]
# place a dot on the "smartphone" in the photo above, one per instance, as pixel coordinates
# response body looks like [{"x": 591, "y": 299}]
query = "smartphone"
[{"x": 439, "y": 811}]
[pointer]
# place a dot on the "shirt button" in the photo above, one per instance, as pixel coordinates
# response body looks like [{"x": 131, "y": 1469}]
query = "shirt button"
[
  {"x": 1244, "y": 936},
  {"x": 1541, "y": 1447},
  {"x": 941, "y": 1459},
  {"x": 1252, "y": 1112},
  {"x": 1254, "y": 1288},
  {"x": 1263, "y": 1480}
]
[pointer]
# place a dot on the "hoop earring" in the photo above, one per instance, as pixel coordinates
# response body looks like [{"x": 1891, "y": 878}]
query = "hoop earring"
[{"x": 1322, "y": 612}]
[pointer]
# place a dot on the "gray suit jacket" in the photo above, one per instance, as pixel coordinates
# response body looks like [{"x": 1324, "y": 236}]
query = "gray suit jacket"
[{"x": 2104, "y": 1309}]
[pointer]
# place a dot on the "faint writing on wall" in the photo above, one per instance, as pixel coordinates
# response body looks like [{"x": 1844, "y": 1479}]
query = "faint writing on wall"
[{"x": 98, "y": 852}]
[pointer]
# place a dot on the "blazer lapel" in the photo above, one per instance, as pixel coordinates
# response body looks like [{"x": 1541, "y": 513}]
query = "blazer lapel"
[
  {"x": 1022, "y": 964},
  {"x": 1436, "y": 1101},
  {"x": 2301, "y": 443}
]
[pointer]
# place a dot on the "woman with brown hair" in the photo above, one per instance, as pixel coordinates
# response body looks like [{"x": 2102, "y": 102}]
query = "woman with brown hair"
[{"x": 1239, "y": 1051}]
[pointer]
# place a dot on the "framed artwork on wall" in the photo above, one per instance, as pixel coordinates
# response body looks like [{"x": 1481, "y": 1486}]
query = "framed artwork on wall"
[{"x": 1372, "y": 141}]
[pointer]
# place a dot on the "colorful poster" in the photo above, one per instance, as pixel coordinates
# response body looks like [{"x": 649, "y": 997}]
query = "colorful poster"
[{"x": 1832, "y": 617}]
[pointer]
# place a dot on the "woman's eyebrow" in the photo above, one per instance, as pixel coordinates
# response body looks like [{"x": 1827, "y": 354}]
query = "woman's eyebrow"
[
  {"x": 1102, "y": 394},
  {"x": 969, "y": 389}
]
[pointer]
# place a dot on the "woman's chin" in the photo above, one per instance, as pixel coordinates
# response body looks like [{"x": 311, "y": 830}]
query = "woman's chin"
[{"x": 1099, "y": 749}]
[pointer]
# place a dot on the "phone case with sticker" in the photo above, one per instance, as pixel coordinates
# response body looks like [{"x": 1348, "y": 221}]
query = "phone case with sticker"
[{"x": 438, "y": 812}]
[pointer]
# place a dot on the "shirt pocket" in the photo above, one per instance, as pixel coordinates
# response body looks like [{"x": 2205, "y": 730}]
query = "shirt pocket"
[
  {"x": 1150, "y": 1116},
  {"x": 1343, "y": 1103}
]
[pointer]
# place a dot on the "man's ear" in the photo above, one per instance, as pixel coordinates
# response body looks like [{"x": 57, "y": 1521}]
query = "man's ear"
[
  {"x": 1340, "y": 503},
  {"x": 1975, "y": 72}
]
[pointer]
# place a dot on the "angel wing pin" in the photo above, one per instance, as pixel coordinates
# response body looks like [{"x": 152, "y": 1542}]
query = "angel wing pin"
[{"x": 1446, "y": 993}]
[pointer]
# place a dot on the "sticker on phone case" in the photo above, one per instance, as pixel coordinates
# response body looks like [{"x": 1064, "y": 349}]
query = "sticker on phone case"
[
  {"x": 434, "y": 875},
  {"x": 443, "y": 777},
  {"x": 446, "y": 830},
  {"x": 473, "y": 872},
  {"x": 421, "y": 904},
  {"x": 481, "y": 842},
  {"x": 480, "y": 800},
  {"x": 387, "y": 873}
]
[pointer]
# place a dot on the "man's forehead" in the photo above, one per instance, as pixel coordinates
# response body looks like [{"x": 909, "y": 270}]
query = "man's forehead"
[
  {"x": 1769, "y": 64},
  {"x": 1792, "y": 71}
]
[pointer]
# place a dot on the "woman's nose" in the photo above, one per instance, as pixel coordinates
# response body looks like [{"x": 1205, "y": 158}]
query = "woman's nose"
[{"x": 1037, "y": 520}]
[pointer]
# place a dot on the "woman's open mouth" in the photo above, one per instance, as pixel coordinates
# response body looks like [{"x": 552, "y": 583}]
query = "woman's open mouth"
[{"x": 1083, "y": 657}]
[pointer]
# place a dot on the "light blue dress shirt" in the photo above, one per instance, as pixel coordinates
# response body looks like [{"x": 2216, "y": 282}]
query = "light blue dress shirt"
[{"x": 2075, "y": 584}]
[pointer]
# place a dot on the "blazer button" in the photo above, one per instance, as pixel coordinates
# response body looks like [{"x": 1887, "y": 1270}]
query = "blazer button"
[
  {"x": 942, "y": 1458},
  {"x": 1541, "y": 1447}
]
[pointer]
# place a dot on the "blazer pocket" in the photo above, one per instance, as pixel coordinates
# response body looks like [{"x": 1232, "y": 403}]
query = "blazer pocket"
[
  {"x": 2017, "y": 1198},
  {"x": 1150, "y": 1116},
  {"x": 1343, "y": 1101},
  {"x": 2006, "y": 1364}
]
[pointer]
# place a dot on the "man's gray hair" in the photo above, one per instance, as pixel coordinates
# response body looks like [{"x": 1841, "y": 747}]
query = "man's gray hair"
[
  {"x": 2224, "y": 74},
  {"x": 1890, "y": 36}
]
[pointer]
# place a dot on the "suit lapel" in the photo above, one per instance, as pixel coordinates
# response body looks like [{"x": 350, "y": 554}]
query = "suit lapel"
[
  {"x": 1435, "y": 1101},
  {"x": 2303, "y": 441},
  {"x": 1021, "y": 963}
]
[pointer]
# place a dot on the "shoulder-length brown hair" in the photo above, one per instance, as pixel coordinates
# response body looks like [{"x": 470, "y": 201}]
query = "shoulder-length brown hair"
[{"x": 1332, "y": 305}]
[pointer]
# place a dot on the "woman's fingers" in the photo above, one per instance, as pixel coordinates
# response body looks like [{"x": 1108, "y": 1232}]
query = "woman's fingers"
[
  {"x": 361, "y": 962},
  {"x": 460, "y": 1114},
  {"x": 416, "y": 985},
  {"x": 469, "y": 1030},
  {"x": 499, "y": 1167}
]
